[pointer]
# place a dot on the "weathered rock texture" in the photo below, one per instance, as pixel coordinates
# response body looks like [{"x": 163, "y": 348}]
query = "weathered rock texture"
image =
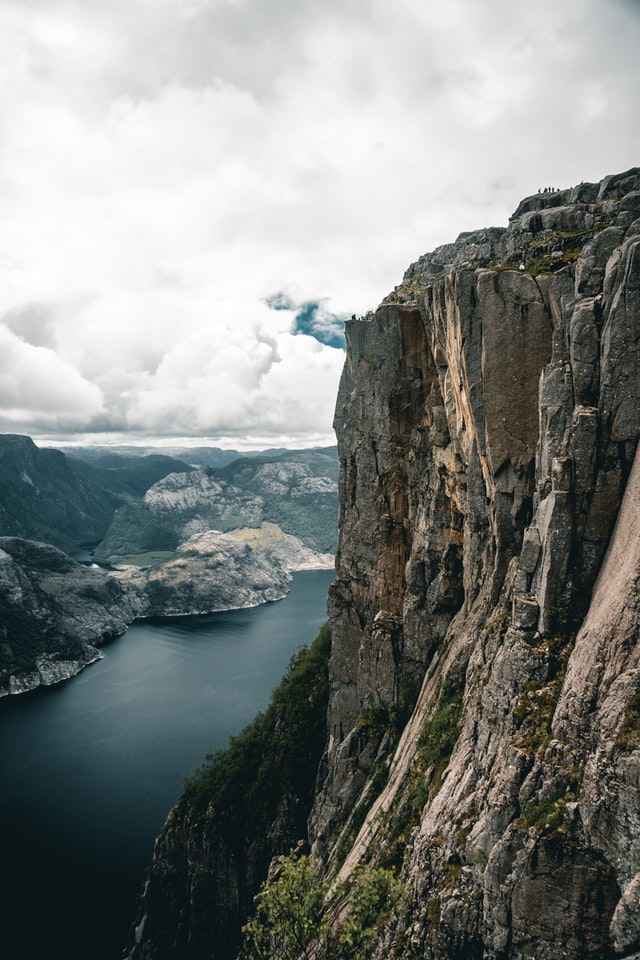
[
  {"x": 484, "y": 709},
  {"x": 54, "y": 614},
  {"x": 488, "y": 420}
]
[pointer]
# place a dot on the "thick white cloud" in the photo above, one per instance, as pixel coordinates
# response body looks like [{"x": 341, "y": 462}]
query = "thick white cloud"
[
  {"x": 166, "y": 166},
  {"x": 37, "y": 387}
]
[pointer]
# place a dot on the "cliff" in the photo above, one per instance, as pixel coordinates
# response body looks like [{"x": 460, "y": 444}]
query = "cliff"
[
  {"x": 483, "y": 726},
  {"x": 55, "y": 613},
  {"x": 488, "y": 421}
]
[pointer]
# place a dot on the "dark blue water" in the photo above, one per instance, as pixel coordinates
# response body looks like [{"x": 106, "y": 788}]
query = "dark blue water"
[{"x": 89, "y": 769}]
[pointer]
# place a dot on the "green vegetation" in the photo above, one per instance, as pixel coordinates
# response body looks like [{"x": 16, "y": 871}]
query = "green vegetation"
[
  {"x": 551, "y": 818},
  {"x": 435, "y": 745},
  {"x": 378, "y": 777},
  {"x": 275, "y": 757},
  {"x": 153, "y": 558},
  {"x": 440, "y": 732},
  {"x": 629, "y": 734},
  {"x": 534, "y": 708},
  {"x": 300, "y": 915},
  {"x": 551, "y": 251}
]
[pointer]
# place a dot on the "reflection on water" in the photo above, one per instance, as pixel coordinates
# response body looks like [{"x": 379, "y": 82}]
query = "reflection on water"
[{"x": 91, "y": 768}]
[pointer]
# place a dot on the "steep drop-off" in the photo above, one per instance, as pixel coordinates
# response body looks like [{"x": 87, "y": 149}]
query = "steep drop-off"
[
  {"x": 484, "y": 681},
  {"x": 488, "y": 421}
]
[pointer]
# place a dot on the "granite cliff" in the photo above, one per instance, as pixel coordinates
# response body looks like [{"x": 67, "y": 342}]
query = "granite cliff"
[{"x": 483, "y": 726}]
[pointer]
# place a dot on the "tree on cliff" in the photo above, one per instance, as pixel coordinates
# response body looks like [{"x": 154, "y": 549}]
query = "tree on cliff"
[{"x": 300, "y": 915}]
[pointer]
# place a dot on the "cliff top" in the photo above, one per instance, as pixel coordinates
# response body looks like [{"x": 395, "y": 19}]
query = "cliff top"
[{"x": 546, "y": 232}]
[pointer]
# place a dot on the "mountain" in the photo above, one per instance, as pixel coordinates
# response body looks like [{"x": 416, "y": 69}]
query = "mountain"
[
  {"x": 66, "y": 500},
  {"x": 296, "y": 491},
  {"x": 125, "y": 475},
  {"x": 158, "y": 515},
  {"x": 483, "y": 725},
  {"x": 43, "y": 498},
  {"x": 201, "y": 457},
  {"x": 55, "y": 613},
  {"x": 212, "y": 571}
]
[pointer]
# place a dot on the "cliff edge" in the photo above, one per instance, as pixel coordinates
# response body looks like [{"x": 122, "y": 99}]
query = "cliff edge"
[{"x": 487, "y": 589}]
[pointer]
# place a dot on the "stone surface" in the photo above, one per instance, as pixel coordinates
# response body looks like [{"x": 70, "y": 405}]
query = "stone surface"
[{"x": 479, "y": 522}]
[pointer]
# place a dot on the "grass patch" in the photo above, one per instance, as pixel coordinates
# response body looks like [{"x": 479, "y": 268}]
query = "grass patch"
[
  {"x": 629, "y": 733},
  {"x": 551, "y": 252},
  {"x": 435, "y": 745},
  {"x": 535, "y": 706},
  {"x": 551, "y": 818}
]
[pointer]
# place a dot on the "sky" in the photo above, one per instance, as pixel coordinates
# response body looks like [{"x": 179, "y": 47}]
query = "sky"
[{"x": 195, "y": 194}]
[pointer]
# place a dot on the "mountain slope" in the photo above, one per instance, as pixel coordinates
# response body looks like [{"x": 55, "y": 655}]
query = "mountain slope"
[
  {"x": 42, "y": 498},
  {"x": 65, "y": 499},
  {"x": 296, "y": 491},
  {"x": 54, "y": 614}
]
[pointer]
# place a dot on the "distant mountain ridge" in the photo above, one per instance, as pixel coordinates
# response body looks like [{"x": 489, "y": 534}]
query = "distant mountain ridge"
[
  {"x": 62, "y": 499},
  {"x": 297, "y": 491}
]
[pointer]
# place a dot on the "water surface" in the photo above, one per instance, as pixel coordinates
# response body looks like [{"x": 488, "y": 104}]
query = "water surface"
[{"x": 90, "y": 768}]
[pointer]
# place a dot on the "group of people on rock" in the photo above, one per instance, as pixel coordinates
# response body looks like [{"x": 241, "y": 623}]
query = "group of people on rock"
[{"x": 548, "y": 190}]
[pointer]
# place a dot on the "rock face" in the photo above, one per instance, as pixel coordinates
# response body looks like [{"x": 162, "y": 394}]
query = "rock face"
[
  {"x": 212, "y": 571},
  {"x": 487, "y": 587},
  {"x": 484, "y": 701},
  {"x": 55, "y": 614}
]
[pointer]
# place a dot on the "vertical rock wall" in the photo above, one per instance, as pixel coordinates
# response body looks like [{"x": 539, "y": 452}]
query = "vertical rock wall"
[{"x": 487, "y": 421}]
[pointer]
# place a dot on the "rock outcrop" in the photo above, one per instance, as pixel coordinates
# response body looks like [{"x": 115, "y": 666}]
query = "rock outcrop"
[
  {"x": 285, "y": 551},
  {"x": 55, "y": 614},
  {"x": 484, "y": 702},
  {"x": 212, "y": 571}
]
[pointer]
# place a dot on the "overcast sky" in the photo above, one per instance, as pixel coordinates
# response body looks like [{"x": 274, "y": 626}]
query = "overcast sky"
[{"x": 194, "y": 194}]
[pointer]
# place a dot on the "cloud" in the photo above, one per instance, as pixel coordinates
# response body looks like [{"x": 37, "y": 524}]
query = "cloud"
[
  {"x": 312, "y": 319},
  {"x": 168, "y": 165},
  {"x": 220, "y": 381},
  {"x": 37, "y": 387}
]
